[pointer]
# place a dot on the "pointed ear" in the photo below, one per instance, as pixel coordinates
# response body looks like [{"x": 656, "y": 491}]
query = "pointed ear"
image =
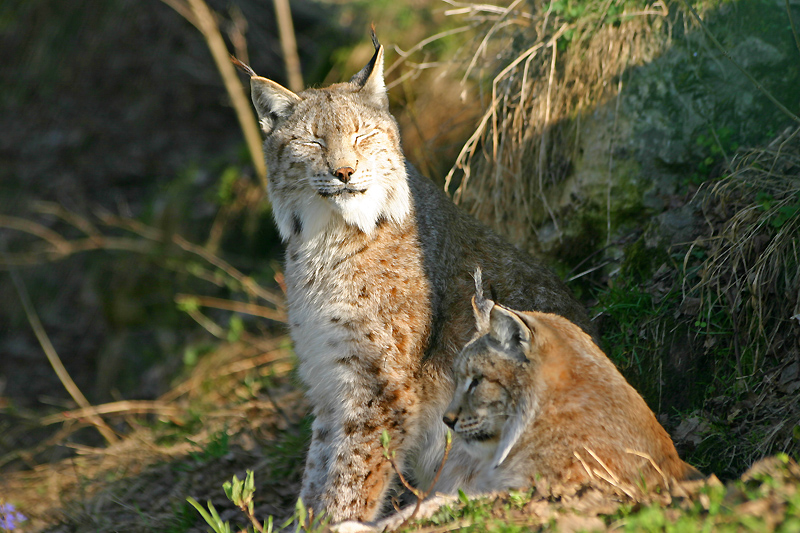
[
  {"x": 481, "y": 307},
  {"x": 369, "y": 80},
  {"x": 511, "y": 332},
  {"x": 272, "y": 101}
]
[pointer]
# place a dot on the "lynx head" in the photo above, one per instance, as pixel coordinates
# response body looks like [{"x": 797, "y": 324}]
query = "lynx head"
[
  {"x": 493, "y": 403},
  {"x": 333, "y": 154}
]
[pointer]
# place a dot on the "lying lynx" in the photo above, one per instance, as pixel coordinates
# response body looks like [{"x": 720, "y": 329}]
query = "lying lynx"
[
  {"x": 378, "y": 277},
  {"x": 535, "y": 397}
]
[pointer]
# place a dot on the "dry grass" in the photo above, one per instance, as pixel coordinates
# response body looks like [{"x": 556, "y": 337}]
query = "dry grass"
[
  {"x": 750, "y": 278},
  {"x": 229, "y": 414},
  {"x": 753, "y": 266},
  {"x": 529, "y": 135}
]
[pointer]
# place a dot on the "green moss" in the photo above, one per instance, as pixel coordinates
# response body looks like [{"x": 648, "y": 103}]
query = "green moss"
[{"x": 640, "y": 262}]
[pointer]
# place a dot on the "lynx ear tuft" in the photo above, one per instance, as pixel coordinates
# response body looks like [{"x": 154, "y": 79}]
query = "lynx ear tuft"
[
  {"x": 511, "y": 332},
  {"x": 243, "y": 67},
  {"x": 481, "y": 307},
  {"x": 272, "y": 101},
  {"x": 369, "y": 80}
]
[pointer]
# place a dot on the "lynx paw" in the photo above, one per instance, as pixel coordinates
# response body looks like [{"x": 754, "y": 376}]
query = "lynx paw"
[{"x": 351, "y": 526}]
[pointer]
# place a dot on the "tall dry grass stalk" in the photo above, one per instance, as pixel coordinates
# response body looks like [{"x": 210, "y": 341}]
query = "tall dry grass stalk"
[
  {"x": 204, "y": 19},
  {"x": 529, "y": 135}
]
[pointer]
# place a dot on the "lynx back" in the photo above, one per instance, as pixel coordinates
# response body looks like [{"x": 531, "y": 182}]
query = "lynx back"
[
  {"x": 379, "y": 269},
  {"x": 536, "y": 398}
]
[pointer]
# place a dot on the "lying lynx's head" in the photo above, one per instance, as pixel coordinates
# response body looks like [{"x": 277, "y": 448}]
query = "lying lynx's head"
[
  {"x": 333, "y": 154},
  {"x": 493, "y": 401}
]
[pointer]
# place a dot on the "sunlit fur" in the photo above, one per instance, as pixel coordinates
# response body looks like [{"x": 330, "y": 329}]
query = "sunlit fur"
[
  {"x": 379, "y": 280},
  {"x": 532, "y": 391}
]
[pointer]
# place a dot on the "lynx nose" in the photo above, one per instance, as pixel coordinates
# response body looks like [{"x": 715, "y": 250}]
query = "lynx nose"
[
  {"x": 450, "y": 420},
  {"x": 343, "y": 174}
]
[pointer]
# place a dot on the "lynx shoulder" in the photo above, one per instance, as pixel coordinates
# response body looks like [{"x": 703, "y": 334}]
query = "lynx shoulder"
[
  {"x": 379, "y": 269},
  {"x": 536, "y": 398}
]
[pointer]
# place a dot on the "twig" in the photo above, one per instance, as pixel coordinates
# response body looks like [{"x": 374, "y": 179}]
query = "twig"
[
  {"x": 289, "y": 45},
  {"x": 27, "y": 226},
  {"x": 791, "y": 23},
  {"x": 62, "y": 247},
  {"x": 416, "y": 492},
  {"x": 113, "y": 408},
  {"x": 55, "y": 360},
  {"x": 500, "y": 23},
  {"x": 585, "y": 466},
  {"x": 231, "y": 305},
  {"x": 543, "y": 143},
  {"x": 404, "y": 54},
  {"x": 464, "y": 8},
  {"x": 54, "y": 209},
  {"x": 601, "y": 463},
  {"x": 221, "y": 333},
  {"x": 203, "y": 19},
  {"x": 157, "y": 235},
  {"x": 653, "y": 463},
  {"x": 758, "y": 86}
]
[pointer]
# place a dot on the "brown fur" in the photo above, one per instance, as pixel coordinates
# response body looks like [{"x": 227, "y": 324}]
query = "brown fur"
[
  {"x": 379, "y": 267},
  {"x": 537, "y": 399}
]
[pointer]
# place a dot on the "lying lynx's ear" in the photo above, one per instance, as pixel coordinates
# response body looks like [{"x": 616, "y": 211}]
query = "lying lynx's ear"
[
  {"x": 511, "y": 332},
  {"x": 369, "y": 80},
  {"x": 271, "y": 101},
  {"x": 481, "y": 307}
]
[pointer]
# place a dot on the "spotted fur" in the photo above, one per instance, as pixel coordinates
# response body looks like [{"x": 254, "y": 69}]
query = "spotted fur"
[
  {"x": 532, "y": 391},
  {"x": 379, "y": 269}
]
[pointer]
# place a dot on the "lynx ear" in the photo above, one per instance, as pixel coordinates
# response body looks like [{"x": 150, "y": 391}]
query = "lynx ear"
[
  {"x": 481, "y": 307},
  {"x": 272, "y": 101},
  {"x": 369, "y": 80},
  {"x": 511, "y": 332}
]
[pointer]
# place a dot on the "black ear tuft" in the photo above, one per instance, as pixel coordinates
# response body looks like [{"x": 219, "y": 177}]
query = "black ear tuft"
[
  {"x": 243, "y": 67},
  {"x": 369, "y": 82},
  {"x": 374, "y": 36}
]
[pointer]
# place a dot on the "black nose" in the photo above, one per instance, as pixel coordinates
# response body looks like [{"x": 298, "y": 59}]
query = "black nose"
[
  {"x": 343, "y": 174},
  {"x": 450, "y": 420}
]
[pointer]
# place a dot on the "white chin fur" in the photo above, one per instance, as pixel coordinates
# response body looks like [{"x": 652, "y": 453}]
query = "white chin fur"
[
  {"x": 364, "y": 210},
  {"x": 317, "y": 214}
]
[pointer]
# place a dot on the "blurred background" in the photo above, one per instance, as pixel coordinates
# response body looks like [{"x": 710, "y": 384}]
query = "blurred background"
[{"x": 652, "y": 161}]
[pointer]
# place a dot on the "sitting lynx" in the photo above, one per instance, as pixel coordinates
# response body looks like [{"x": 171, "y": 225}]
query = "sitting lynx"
[
  {"x": 378, "y": 274},
  {"x": 535, "y": 397}
]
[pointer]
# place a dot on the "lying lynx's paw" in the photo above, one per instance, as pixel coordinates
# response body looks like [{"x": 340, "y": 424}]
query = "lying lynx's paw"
[
  {"x": 394, "y": 521},
  {"x": 351, "y": 526},
  {"x": 426, "y": 510}
]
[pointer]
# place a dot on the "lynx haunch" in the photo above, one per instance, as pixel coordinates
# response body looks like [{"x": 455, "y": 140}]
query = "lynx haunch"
[
  {"x": 535, "y": 397},
  {"x": 379, "y": 269}
]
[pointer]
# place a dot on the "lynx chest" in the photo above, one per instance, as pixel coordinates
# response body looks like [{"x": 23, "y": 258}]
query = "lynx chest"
[{"x": 359, "y": 309}]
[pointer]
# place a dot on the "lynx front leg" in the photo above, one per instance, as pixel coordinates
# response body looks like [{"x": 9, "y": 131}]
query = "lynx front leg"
[
  {"x": 358, "y": 473},
  {"x": 316, "y": 471}
]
